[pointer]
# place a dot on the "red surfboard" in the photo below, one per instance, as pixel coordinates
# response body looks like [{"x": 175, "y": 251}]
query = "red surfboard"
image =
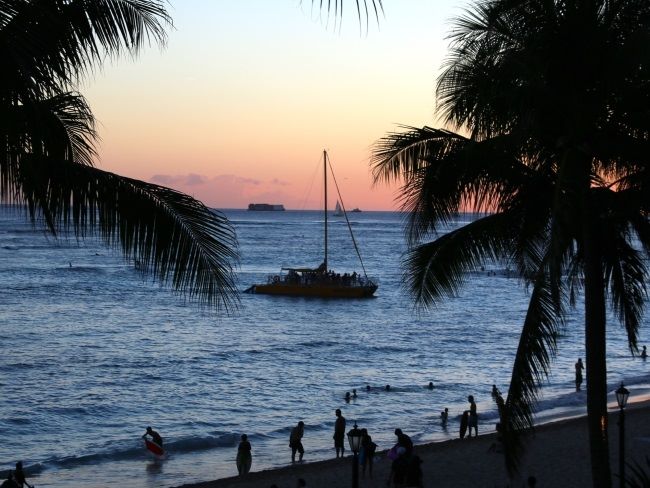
[{"x": 153, "y": 447}]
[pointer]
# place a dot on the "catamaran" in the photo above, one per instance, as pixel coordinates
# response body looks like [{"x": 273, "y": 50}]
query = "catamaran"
[{"x": 321, "y": 281}]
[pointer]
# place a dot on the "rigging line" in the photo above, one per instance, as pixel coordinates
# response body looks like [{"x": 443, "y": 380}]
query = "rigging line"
[
  {"x": 317, "y": 166},
  {"x": 345, "y": 214}
]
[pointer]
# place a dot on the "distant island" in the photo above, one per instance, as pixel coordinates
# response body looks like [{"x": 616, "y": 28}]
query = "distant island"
[{"x": 265, "y": 207}]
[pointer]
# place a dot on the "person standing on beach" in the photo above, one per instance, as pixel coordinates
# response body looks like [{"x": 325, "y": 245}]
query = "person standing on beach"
[
  {"x": 295, "y": 441},
  {"x": 473, "y": 417},
  {"x": 579, "y": 368},
  {"x": 367, "y": 453},
  {"x": 404, "y": 441},
  {"x": 339, "y": 433},
  {"x": 19, "y": 476},
  {"x": 444, "y": 416},
  {"x": 244, "y": 456},
  {"x": 401, "y": 456}
]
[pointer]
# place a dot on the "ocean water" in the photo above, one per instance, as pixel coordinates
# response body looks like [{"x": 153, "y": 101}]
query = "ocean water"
[{"x": 93, "y": 354}]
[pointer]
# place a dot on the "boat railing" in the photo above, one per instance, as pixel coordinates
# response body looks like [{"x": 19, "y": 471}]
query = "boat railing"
[{"x": 318, "y": 278}]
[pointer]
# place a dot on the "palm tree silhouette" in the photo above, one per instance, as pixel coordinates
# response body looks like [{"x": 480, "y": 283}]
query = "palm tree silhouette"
[
  {"x": 552, "y": 102},
  {"x": 48, "y": 135}
]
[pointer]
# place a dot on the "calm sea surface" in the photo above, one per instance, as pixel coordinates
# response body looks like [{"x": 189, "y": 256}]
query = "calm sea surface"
[{"x": 93, "y": 354}]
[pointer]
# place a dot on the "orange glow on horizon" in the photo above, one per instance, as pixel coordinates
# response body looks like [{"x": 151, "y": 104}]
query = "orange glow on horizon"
[{"x": 236, "y": 109}]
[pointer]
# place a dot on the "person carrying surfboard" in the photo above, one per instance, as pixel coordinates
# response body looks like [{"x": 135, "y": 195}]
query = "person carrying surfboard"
[
  {"x": 155, "y": 436},
  {"x": 18, "y": 476},
  {"x": 155, "y": 439}
]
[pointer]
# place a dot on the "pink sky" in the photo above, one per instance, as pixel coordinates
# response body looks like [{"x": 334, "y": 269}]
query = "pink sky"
[{"x": 239, "y": 105}]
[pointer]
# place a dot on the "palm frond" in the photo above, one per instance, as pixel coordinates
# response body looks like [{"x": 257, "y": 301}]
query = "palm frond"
[
  {"x": 60, "y": 126},
  {"x": 537, "y": 347},
  {"x": 170, "y": 235},
  {"x": 49, "y": 43},
  {"x": 624, "y": 267},
  {"x": 538, "y": 340},
  {"x": 335, "y": 7},
  {"x": 444, "y": 173},
  {"x": 625, "y": 272},
  {"x": 438, "y": 269},
  {"x": 400, "y": 155}
]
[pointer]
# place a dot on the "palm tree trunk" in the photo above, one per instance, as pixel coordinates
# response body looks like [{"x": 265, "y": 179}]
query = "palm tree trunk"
[{"x": 595, "y": 346}]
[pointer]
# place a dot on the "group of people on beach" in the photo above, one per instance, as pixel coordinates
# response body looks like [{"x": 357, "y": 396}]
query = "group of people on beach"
[{"x": 405, "y": 466}]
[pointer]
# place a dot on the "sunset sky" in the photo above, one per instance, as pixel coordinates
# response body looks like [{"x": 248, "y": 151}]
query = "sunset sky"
[{"x": 240, "y": 103}]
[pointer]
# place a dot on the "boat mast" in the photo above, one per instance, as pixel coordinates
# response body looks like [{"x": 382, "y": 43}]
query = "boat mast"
[{"x": 325, "y": 207}]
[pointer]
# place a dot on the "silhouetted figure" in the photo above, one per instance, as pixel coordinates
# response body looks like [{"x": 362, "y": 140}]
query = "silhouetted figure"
[
  {"x": 495, "y": 392},
  {"x": 444, "y": 416},
  {"x": 367, "y": 453},
  {"x": 644, "y": 353},
  {"x": 367, "y": 387},
  {"x": 473, "y": 417},
  {"x": 155, "y": 436},
  {"x": 414, "y": 472},
  {"x": 404, "y": 441},
  {"x": 430, "y": 385},
  {"x": 354, "y": 393},
  {"x": 402, "y": 455},
  {"x": 295, "y": 441},
  {"x": 244, "y": 456},
  {"x": 387, "y": 388},
  {"x": 347, "y": 396},
  {"x": 339, "y": 433},
  {"x": 579, "y": 367},
  {"x": 19, "y": 476}
]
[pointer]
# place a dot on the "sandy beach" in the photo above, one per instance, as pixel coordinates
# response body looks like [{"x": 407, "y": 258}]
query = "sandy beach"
[{"x": 557, "y": 455}]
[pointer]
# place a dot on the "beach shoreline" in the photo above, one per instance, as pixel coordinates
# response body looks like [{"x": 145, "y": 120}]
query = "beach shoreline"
[{"x": 557, "y": 454}]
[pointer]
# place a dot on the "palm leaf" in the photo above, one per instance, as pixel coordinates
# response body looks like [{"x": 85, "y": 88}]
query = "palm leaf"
[
  {"x": 438, "y": 269},
  {"x": 61, "y": 126},
  {"x": 335, "y": 7},
  {"x": 537, "y": 346},
  {"x": 46, "y": 43},
  {"x": 171, "y": 235}
]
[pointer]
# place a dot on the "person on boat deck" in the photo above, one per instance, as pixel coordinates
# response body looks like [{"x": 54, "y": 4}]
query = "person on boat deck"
[{"x": 155, "y": 436}]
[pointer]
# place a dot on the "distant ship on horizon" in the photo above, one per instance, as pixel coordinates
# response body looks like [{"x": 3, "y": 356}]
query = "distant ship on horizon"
[{"x": 266, "y": 207}]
